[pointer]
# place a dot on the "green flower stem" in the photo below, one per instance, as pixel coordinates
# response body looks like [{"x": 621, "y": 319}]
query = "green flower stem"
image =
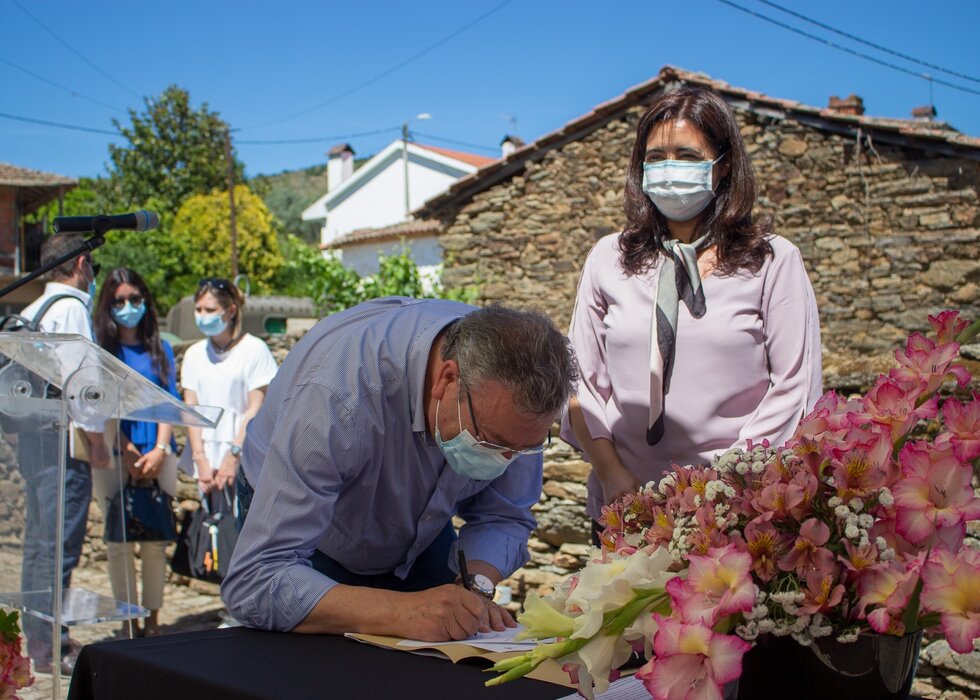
[
  {"x": 969, "y": 333},
  {"x": 614, "y": 623}
]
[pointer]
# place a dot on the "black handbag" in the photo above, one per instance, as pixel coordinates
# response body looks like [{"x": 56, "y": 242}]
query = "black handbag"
[
  {"x": 207, "y": 539},
  {"x": 141, "y": 512}
]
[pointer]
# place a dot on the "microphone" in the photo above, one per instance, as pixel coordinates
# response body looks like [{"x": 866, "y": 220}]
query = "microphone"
[{"x": 141, "y": 220}]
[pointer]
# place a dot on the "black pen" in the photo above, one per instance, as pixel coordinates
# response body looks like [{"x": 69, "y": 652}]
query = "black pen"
[{"x": 463, "y": 573}]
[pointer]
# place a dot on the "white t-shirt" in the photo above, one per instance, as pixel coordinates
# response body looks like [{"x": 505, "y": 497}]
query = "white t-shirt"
[
  {"x": 224, "y": 379},
  {"x": 65, "y": 315}
]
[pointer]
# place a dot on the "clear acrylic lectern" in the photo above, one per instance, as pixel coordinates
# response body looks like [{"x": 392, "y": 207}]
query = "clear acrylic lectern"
[{"x": 52, "y": 379}]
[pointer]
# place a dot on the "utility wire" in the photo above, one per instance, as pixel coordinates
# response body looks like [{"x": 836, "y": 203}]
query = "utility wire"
[
  {"x": 59, "y": 125},
  {"x": 74, "y": 93},
  {"x": 388, "y": 71},
  {"x": 458, "y": 143},
  {"x": 315, "y": 139},
  {"x": 858, "y": 39},
  {"x": 848, "y": 50},
  {"x": 73, "y": 50}
]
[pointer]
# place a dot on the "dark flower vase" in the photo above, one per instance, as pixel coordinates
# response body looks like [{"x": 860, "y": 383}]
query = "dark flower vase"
[{"x": 875, "y": 667}]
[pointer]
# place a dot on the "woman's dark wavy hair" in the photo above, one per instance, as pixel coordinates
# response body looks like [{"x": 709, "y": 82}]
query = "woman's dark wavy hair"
[
  {"x": 148, "y": 330},
  {"x": 740, "y": 241}
]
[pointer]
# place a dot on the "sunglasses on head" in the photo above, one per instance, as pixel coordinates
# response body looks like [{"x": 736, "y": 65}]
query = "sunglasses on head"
[
  {"x": 216, "y": 282},
  {"x": 134, "y": 299}
]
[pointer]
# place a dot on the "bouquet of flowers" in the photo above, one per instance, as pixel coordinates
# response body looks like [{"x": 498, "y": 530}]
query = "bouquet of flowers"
[
  {"x": 15, "y": 669},
  {"x": 851, "y": 526}
]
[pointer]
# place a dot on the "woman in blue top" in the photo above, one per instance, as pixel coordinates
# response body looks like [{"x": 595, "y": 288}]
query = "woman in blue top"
[{"x": 125, "y": 323}]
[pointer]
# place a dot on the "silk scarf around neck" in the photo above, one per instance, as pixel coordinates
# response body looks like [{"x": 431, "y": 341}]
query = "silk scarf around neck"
[{"x": 678, "y": 280}]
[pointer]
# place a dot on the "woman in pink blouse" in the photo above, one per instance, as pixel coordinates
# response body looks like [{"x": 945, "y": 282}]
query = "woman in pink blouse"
[{"x": 696, "y": 327}]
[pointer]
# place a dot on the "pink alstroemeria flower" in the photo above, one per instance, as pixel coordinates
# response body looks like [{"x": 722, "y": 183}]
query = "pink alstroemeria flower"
[
  {"x": 765, "y": 546},
  {"x": 691, "y": 662},
  {"x": 856, "y": 474},
  {"x": 820, "y": 594},
  {"x": 717, "y": 584},
  {"x": 808, "y": 551},
  {"x": 935, "y": 494},
  {"x": 962, "y": 428},
  {"x": 951, "y": 587},
  {"x": 858, "y": 559}
]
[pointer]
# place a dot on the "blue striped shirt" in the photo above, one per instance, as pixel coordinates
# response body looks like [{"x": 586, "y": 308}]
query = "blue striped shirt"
[{"x": 341, "y": 461}]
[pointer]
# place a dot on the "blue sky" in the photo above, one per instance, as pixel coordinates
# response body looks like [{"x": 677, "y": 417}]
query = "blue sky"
[{"x": 526, "y": 67}]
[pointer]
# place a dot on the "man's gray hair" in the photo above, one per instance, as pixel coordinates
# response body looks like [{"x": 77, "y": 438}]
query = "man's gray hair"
[{"x": 521, "y": 349}]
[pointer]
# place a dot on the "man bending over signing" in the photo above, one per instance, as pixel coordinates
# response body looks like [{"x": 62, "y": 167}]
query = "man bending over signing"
[{"x": 384, "y": 422}]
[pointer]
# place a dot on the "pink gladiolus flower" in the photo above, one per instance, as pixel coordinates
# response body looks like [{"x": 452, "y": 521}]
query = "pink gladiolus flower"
[
  {"x": 891, "y": 403},
  {"x": 963, "y": 428},
  {"x": 808, "y": 551},
  {"x": 924, "y": 365},
  {"x": 935, "y": 493},
  {"x": 691, "y": 662},
  {"x": 947, "y": 325},
  {"x": 889, "y": 587},
  {"x": 717, "y": 584},
  {"x": 951, "y": 587}
]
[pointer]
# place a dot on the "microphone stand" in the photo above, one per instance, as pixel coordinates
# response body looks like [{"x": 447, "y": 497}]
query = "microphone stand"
[{"x": 89, "y": 244}]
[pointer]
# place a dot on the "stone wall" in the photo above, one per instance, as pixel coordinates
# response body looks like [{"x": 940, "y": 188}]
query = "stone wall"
[{"x": 888, "y": 233}]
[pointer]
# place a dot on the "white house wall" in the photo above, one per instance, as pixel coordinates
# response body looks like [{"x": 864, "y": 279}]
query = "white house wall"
[
  {"x": 425, "y": 251},
  {"x": 380, "y": 200}
]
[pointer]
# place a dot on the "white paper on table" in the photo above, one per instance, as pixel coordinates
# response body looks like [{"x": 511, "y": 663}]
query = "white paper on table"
[
  {"x": 629, "y": 688},
  {"x": 490, "y": 641}
]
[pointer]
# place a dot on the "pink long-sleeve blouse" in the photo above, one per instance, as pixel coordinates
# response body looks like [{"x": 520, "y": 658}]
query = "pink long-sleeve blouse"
[{"x": 749, "y": 368}]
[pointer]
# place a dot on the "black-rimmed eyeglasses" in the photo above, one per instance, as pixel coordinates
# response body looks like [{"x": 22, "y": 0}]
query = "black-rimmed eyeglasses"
[
  {"x": 502, "y": 448},
  {"x": 134, "y": 299}
]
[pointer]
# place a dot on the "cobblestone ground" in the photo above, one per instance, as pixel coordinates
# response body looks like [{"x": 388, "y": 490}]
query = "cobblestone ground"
[{"x": 187, "y": 606}]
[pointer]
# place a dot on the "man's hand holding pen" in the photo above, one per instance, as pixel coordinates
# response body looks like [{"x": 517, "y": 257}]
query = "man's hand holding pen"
[{"x": 480, "y": 581}]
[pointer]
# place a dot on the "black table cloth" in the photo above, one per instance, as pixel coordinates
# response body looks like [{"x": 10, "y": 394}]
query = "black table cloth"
[{"x": 247, "y": 664}]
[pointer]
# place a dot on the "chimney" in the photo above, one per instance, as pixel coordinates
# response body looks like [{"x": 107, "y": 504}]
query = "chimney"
[
  {"x": 509, "y": 144},
  {"x": 925, "y": 113},
  {"x": 852, "y": 105},
  {"x": 340, "y": 165}
]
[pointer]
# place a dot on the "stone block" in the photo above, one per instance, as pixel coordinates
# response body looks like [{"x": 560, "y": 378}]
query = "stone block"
[
  {"x": 953, "y": 274},
  {"x": 574, "y": 470}
]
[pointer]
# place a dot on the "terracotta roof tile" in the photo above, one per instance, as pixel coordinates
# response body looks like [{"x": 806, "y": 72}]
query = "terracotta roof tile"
[
  {"x": 405, "y": 229},
  {"x": 470, "y": 158},
  {"x": 25, "y": 177}
]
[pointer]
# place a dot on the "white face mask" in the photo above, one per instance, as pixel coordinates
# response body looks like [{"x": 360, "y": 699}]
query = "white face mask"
[{"x": 680, "y": 189}]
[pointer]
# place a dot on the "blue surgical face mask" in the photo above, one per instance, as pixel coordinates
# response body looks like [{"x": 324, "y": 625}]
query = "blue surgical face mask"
[
  {"x": 210, "y": 324},
  {"x": 91, "y": 294},
  {"x": 466, "y": 457},
  {"x": 680, "y": 189},
  {"x": 129, "y": 316}
]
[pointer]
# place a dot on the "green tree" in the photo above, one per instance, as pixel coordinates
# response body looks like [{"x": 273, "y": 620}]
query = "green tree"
[
  {"x": 200, "y": 243},
  {"x": 173, "y": 151},
  {"x": 306, "y": 272}
]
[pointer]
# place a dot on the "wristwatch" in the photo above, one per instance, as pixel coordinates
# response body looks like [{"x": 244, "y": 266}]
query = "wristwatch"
[
  {"x": 236, "y": 451},
  {"x": 481, "y": 585},
  {"x": 165, "y": 447}
]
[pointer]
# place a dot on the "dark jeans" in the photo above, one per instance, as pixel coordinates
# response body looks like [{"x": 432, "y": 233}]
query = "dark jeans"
[
  {"x": 431, "y": 569},
  {"x": 38, "y": 461}
]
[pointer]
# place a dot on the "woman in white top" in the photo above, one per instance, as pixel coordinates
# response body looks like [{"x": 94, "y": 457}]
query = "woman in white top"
[{"x": 229, "y": 369}]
